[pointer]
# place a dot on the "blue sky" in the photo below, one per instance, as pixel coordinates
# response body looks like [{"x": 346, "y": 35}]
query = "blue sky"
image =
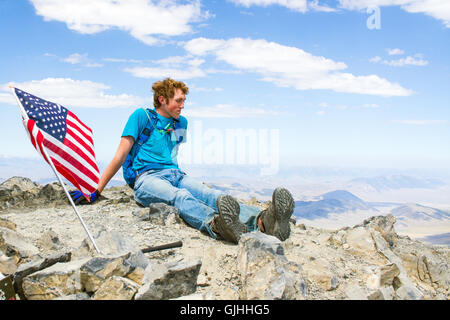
[{"x": 339, "y": 84}]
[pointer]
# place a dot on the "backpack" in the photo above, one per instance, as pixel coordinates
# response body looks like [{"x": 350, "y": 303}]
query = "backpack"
[{"x": 127, "y": 168}]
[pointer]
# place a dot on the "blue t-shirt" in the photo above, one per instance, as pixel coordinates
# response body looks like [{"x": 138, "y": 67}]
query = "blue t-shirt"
[{"x": 161, "y": 148}]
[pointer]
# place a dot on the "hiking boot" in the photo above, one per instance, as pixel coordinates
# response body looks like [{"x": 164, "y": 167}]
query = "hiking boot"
[
  {"x": 227, "y": 223},
  {"x": 275, "y": 219}
]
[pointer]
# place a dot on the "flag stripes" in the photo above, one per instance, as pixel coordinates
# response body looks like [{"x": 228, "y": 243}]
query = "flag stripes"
[{"x": 68, "y": 141}]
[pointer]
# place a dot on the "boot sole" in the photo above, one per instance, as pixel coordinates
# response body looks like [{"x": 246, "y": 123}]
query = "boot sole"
[
  {"x": 229, "y": 209},
  {"x": 284, "y": 207}
]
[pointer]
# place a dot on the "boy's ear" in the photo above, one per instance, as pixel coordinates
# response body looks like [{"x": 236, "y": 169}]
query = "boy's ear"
[{"x": 161, "y": 99}]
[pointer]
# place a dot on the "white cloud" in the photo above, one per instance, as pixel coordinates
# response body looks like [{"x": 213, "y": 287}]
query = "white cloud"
[
  {"x": 143, "y": 19},
  {"x": 346, "y": 107},
  {"x": 71, "y": 93},
  {"x": 401, "y": 62},
  {"x": 93, "y": 65},
  {"x": 158, "y": 73},
  {"x": 296, "y": 5},
  {"x": 75, "y": 58},
  {"x": 396, "y": 51},
  {"x": 292, "y": 67},
  {"x": 438, "y": 9},
  {"x": 119, "y": 60},
  {"x": 315, "y": 6},
  {"x": 228, "y": 111},
  {"x": 406, "y": 61},
  {"x": 176, "y": 67},
  {"x": 375, "y": 59}
]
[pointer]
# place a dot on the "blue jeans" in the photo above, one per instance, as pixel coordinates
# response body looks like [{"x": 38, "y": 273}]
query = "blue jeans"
[{"x": 196, "y": 203}]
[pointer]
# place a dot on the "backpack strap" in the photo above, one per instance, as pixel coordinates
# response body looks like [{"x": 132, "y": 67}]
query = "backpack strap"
[
  {"x": 145, "y": 134},
  {"x": 128, "y": 173}
]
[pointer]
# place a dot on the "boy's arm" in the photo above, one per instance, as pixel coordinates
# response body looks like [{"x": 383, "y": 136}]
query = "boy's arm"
[{"x": 119, "y": 158}]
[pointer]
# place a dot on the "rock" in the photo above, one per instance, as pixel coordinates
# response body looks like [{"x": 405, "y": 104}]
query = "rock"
[
  {"x": 4, "y": 223},
  {"x": 159, "y": 214},
  {"x": 19, "y": 184},
  {"x": 383, "y": 293},
  {"x": 171, "y": 280},
  {"x": 423, "y": 264},
  {"x": 98, "y": 270},
  {"x": 383, "y": 276},
  {"x": 116, "y": 288},
  {"x": 301, "y": 226},
  {"x": 113, "y": 244},
  {"x": 355, "y": 292},
  {"x": 59, "y": 280},
  {"x": 137, "y": 275},
  {"x": 332, "y": 284},
  {"x": 49, "y": 241},
  {"x": 387, "y": 274},
  {"x": 18, "y": 192},
  {"x": 53, "y": 193},
  {"x": 14, "y": 244},
  {"x": 8, "y": 265},
  {"x": 318, "y": 271},
  {"x": 407, "y": 292},
  {"x": 360, "y": 242},
  {"x": 75, "y": 296},
  {"x": 402, "y": 280},
  {"x": 37, "y": 265},
  {"x": 265, "y": 272},
  {"x": 385, "y": 226}
]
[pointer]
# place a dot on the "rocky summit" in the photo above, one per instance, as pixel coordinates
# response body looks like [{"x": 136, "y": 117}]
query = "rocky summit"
[{"x": 47, "y": 253}]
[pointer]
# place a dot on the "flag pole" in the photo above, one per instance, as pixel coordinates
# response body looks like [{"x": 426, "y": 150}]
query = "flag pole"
[
  {"x": 70, "y": 199},
  {"x": 60, "y": 180}
]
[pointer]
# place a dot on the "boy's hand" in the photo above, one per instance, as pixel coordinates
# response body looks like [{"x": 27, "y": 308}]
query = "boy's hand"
[{"x": 78, "y": 197}]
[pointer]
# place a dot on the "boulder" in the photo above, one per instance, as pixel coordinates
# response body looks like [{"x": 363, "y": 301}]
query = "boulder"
[
  {"x": 18, "y": 192},
  {"x": 265, "y": 272},
  {"x": 37, "y": 265},
  {"x": 8, "y": 265},
  {"x": 113, "y": 244},
  {"x": 49, "y": 241},
  {"x": 14, "y": 244},
  {"x": 59, "y": 280},
  {"x": 75, "y": 296},
  {"x": 159, "y": 214},
  {"x": 402, "y": 280},
  {"x": 170, "y": 280},
  {"x": 99, "y": 269},
  {"x": 5, "y": 223},
  {"x": 116, "y": 288}
]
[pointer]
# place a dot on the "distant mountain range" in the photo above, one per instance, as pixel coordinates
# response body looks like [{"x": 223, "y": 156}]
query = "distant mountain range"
[
  {"x": 418, "y": 212},
  {"x": 342, "y": 201},
  {"x": 398, "y": 181},
  {"x": 339, "y": 201},
  {"x": 443, "y": 238}
]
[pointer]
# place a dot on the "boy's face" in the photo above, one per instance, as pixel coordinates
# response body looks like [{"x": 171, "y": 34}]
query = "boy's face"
[{"x": 172, "y": 109}]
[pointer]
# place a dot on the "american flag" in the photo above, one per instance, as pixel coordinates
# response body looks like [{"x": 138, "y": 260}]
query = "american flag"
[{"x": 68, "y": 141}]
